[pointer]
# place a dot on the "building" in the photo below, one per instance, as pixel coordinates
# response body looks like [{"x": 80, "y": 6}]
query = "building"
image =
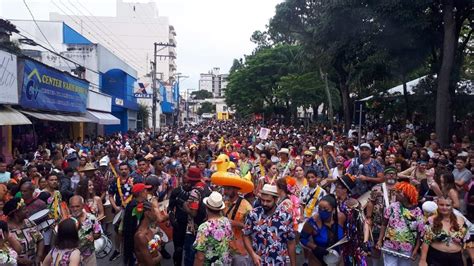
[
  {"x": 111, "y": 106},
  {"x": 214, "y": 82},
  {"x": 130, "y": 34}
]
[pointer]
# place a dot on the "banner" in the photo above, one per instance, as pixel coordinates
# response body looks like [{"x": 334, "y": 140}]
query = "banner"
[
  {"x": 176, "y": 92},
  {"x": 143, "y": 90},
  {"x": 8, "y": 78},
  {"x": 263, "y": 134},
  {"x": 46, "y": 88}
]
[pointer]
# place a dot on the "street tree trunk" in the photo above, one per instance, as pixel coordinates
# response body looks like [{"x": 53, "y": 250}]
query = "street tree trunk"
[
  {"x": 328, "y": 95},
  {"x": 346, "y": 108},
  {"x": 443, "y": 97}
]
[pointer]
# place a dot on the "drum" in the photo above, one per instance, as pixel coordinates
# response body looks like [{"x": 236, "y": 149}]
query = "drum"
[
  {"x": 117, "y": 218},
  {"x": 108, "y": 211},
  {"x": 332, "y": 259},
  {"x": 103, "y": 247},
  {"x": 364, "y": 199},
  {"x": 42, "y": 220}
]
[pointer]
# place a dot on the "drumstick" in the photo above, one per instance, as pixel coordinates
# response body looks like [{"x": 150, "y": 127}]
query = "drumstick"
[
  {"x": 340, "y": 242},
  {"x": 385, "y": 194}
]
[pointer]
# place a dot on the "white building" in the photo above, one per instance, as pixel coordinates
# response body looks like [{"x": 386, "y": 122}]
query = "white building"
[
  {"x": 131, "y": 34},
  {"x": 214, "y": 82}
]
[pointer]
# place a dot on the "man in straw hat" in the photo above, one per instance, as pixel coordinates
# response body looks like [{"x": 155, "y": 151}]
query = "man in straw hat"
[
  {"x": 269, "y": 236},
  {"x": 213, "y": 236}
]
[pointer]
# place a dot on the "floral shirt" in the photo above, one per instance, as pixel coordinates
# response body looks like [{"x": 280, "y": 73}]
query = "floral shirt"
[
  {"x": 457, "y": 237},
  {"x": 213, "y": 239},
  {"x": 402, "y": 228},
  {"x": 270, "y": 234},
  {"x": 28, "y": 236},
  {"x": 89, "y": 227},
  {"x": 370, "y": 170},
  {"x": 8, "y": 256}
]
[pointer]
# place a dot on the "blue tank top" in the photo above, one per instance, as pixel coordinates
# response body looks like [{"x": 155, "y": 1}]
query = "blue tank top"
[{"x": 321, "y": 236}]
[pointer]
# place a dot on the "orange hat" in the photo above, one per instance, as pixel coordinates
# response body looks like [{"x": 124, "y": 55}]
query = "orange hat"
[{"x": 408, "y": 190}]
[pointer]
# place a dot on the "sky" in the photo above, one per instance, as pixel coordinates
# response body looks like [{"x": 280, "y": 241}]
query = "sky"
[{"x": 210, "y": 33}]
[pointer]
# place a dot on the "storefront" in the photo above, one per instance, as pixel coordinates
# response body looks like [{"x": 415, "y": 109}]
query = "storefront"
[
  {"x": 9, "y": 117},
  {"x": 99, "y": 107},
  {"x": 54, "y": 101}
]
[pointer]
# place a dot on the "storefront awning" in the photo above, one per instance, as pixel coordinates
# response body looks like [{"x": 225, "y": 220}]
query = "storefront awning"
[
  {"x": 103, "y": 118},
  {"x": 55, "y": 117},
  {"x": 10, "y": 117}
]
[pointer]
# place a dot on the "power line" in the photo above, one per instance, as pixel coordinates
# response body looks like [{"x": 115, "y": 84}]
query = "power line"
[
  {"x": 93, "y": 35},
  {"x": 39, "y": 28},
  {"x": 124, "y": 48}
]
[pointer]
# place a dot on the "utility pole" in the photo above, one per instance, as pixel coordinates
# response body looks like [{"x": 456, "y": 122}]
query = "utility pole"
[{"x": 154, "y": 79}]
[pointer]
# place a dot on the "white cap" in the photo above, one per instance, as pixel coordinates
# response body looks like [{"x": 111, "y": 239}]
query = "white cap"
[
  {"x": 365, "y": 145},
  {"x": 104, "y": 161}
]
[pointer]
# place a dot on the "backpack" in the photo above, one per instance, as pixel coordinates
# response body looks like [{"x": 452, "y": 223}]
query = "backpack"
[{"x": 201, "y": 215}]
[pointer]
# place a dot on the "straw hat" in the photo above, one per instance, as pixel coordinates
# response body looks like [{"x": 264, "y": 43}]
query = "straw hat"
[
  {"x": 214, "y": 201},
  {"x": 269, "y": 190},
  {"x": 88, "y": 167}
]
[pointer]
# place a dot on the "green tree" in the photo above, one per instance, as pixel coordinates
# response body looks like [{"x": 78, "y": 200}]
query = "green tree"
[
  {"x": 201, "y": 94},
  {"x": 206, "y": 107},
  {"x": 143, "y": 115}
]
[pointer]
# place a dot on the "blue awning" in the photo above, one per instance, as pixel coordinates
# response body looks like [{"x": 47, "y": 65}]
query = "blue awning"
[{"x": 167, "y": 107}]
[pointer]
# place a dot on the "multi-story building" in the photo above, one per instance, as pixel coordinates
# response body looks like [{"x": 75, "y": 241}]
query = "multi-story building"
[
  {"x": 214, "y": 82},
  {"x": 130, "y": 34}
]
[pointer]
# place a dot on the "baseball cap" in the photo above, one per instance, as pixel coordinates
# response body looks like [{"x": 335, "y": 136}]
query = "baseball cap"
[
  {"x": 139, "y": 187},
  {"x": 365, "y": 145}
]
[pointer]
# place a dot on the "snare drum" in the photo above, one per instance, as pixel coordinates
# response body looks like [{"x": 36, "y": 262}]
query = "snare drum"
[
  {"x": 332, "y": 258},
  {"x": 103, "y": 247},
  {"x": 108, "y": 211},
  {"x": 42, "y": 220}
]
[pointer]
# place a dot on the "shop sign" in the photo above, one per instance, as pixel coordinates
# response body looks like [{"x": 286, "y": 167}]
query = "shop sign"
[
  {"x": 143, "y": 90},
  {"x": 46, "y": 88},
  {"x": 8, "y": 78}
]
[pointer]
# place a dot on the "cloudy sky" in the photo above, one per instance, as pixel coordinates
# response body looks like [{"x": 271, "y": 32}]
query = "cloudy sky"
[{"x": 210, "y": 33}]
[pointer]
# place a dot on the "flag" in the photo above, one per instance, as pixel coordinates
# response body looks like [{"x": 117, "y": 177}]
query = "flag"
[
  {"x": 176, "y": 92},
  {"x": 163, "y": 92}
]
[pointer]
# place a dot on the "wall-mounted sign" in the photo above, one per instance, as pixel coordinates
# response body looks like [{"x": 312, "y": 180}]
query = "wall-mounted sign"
[
  {"x": 46, "y": 88},
  {"x": 8, "y": 78},
  {"x": 143, "y": 90}
]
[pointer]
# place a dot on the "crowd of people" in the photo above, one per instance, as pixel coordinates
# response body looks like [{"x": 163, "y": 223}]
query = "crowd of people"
[{"x": 318, "y": 196}]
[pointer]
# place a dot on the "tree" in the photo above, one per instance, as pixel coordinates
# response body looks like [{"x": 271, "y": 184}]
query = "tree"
[
  {"x": 143, "y": 114},
  {"x": 454, "y": 14},
  {"x": 201, "y": 94},
  {"x": 253, "y": 87},
  {"x": 206, "y": 107}
]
